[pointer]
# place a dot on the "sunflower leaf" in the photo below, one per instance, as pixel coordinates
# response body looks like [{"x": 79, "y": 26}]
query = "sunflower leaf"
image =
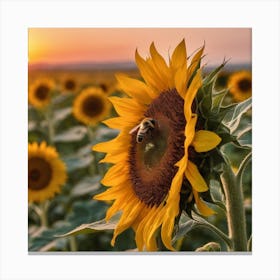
[
  {"x": 61, "y": 114},
  {"x": 94, "y": 227},
  {"x": 75, "y": 163},
  {"x": 232, "y": 114},
  {"x": 73, "y": 134},
  {"x": 244, "y": 138},
  {"x": 185, "y": 228},
  {"x": 86, "y": 186}
]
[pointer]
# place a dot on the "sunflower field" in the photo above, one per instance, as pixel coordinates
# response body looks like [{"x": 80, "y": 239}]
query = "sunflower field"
[{"x": 154, "y": 158}]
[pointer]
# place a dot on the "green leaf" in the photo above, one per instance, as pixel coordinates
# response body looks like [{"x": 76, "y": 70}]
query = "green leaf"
[
  {"x": 87, "y": 185},
  {"x": 217, "y": 99},
  {"x": 61, "y": 114},
  {"x": 212, "y": 76},
  {"x": 185, "y": 228},
  {"x": 75, "y": 163},
  {"x": 73, "y": 134},
  {"x": 93, "y": 227},
  {"x": 232, "y": 114},
  {"x": 244, "y": 137}
]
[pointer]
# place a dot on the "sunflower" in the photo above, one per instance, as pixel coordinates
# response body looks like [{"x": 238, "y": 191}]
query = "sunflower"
[
  {"x": 70, "y": 85},
  {"x": 91, "y": 106},
  {"x": 147, "y": 177},
  {"x": 240, "y": 85},
  {"x": 46, "y": 172},
  {"x": 39, "y": 93}
]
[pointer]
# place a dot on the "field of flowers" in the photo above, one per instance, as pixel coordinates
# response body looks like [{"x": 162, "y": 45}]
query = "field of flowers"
[{"x": 75, "y": 180}]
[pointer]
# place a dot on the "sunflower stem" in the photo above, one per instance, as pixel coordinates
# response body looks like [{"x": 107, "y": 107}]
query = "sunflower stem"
[
  {"x": 73, "y": 243},
  {"x": 51, "y": 132},
  {"x": 93, "y": 168},
  {"x": 235, "y": 210},
  {"x": 43, "y": 214}
]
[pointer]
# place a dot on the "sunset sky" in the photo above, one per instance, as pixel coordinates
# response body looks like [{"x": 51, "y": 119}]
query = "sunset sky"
[{"x": 76, "y": 45}]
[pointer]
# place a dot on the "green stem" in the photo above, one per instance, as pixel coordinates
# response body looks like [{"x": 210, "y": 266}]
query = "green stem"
[
  {"x": 93, "y": 168},
  {"x": 43, "y": 214},
  {"x": 235, "y": 210},
  {"x": 51, "y": 132},
  {"x": 73, "y": 243},
  {"x": 203, "y": 223}
]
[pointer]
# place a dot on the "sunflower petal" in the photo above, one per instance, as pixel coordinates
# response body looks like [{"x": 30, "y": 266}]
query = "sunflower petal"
[
  {"x": 159, "y": 64},
  {"x": 116, "y": 145},
  {"x": 195, "y": 61},
  {"x": 167, "y": 230},
  {"x": 115, "y": 175},
  {"x": 179, "y": 56},
  {"x": 135, "y": 88},
  {"x": 148, "y": 73},
  {"x": 181, "y": 81},
  {"x": 202, "y": 207},
  {"x": 130, "y": 213},
  {"x": 196, "y": 180},
  {"x": 127, "y": 107},
  {"x": 191, "y": 93},
  {"x": 205, "y": 140},
  {"x": 114, "y": 158}
]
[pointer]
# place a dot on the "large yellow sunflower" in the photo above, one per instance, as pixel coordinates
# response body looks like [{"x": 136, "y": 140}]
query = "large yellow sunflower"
[
  {"x": 39, "y": 93},
  {"x": 46, "y": 172},
  {"x": 91, "y": 106},
  {"x": 240, "y": 85},
  {"x": 146, "y": 178}
]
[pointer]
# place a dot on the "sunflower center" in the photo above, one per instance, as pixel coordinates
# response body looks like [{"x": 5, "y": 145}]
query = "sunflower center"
[
  {"x": 103, "y": 87},
  {"x": 42, "y": 92},
  {"x": 245, "y": 85},
  {"x": 70, "y": 85},
  {"x": 92, "y": 106},
  {"x": 152, "y": 161},
  {"x": 39, "y": 173}
]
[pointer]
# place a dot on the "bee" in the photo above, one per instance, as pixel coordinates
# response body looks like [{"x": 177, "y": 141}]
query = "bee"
[{"x": 146, "y": 125}]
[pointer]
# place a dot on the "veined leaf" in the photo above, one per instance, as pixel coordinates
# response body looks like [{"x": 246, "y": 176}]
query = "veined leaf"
[
  {"x": 93, "y": 227},
  {"x": 73, "y": 134},
  {"x": 232, "y": 114},
  {"x": 74, "y": 163},
  {"x": 61, "y": 114},
  {"x": 244, "y": 137},
  {"x": 87, "y": 186}
]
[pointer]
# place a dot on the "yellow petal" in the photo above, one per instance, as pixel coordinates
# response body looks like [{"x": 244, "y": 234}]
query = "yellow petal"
[
  {"x": 202, "y": 207},
  {"x": 127, "y": 107},
  {"x": 196, "y": 180},
  {"x": 181, "y": 81},
  {"x": 116, "y": 145},
  {"x": 166, "y": 231},
  {"x": 117, "y": 174},
  {"x": 114, "y": 158},
  {"x": 159, "y": 64},
  {"x": 191, "y": 93},
  {"x": 205, "y": 140},
  {"x": 179, "y": 56},
  {"x": 195, "y": 61},
  {"x": 135, "y": 88},
  {"x": 148, "y": 73},
  {"x": 123, "y": 122},
  {"x": 190, "y": 131},
  {"x": 128, "y": 216}
]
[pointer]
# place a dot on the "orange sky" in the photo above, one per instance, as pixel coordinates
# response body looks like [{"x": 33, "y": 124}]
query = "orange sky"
[{"x": 67, "y": 45}]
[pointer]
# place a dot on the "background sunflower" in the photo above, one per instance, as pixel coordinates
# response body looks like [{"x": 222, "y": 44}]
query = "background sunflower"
[
  {"x": 46, "y": 172},
  {"x": 40, "y": 91},
  {"x": 91, "y": 106},
  {"x": 240, "y": 85}
]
